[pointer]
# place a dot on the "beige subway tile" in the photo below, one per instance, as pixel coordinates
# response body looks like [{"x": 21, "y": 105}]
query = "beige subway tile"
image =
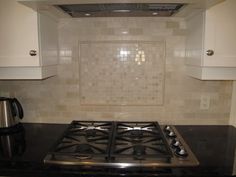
[{"x": 59, "y": 100}]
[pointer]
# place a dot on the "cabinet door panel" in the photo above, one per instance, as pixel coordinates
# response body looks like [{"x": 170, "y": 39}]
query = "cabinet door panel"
[
  {"x": 48, "y": 40},
  {"x": 220, "y": 35},
  {"x": 194, "y": 40},
  {"x": 18, "y": 34}
]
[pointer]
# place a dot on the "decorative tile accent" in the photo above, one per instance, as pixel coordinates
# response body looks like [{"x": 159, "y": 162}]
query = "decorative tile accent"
[{"x": 122, "y": 73}]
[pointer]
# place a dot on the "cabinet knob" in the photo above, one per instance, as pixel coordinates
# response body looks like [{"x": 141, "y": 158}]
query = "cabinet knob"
[
  {"x": 33, "y": 52},
  {"x": 210, "y": 52}
]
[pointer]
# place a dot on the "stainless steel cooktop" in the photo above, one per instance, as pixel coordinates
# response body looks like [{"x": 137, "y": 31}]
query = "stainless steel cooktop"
[{"x": 121, "y": 145}]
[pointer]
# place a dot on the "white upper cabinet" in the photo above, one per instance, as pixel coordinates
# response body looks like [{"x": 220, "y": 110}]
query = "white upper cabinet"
[
  {"x": 28, "y": 45},
  {"x": 211, "y": 43}
]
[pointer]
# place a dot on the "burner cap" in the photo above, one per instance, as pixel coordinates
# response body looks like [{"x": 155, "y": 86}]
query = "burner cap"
[
  {"x": 136, "y": 133},
  {"x": 91, "y": 132},
  {"x": 136, "y": 140},
  {"x": 83, "y": 149},
  {"x": 139, "y": 151}
]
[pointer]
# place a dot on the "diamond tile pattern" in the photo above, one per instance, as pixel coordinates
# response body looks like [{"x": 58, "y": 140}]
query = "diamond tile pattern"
[{"x": 127, "y": 73}]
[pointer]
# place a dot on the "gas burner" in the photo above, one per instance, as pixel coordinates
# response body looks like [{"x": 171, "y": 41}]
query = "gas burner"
[
  {"x": 127, "y": 140},
  {"x": 144, "y": 150},
  {"x": 84, "y": 149},
  {"x": 136, "y": 140},
  {"x": 90, "y": 132},
  {"x": 139, "y": 151},
  {"x": 83, "y": 139},
  {"x": 137, "y": 130},
  {"x": 87, "y": 128},
  {"x": 141, "y": 140},
  {"x": 90, "y": 128}
]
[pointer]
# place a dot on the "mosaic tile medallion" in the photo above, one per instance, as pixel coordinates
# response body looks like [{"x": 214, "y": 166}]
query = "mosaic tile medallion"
[{"x": 122, "y": 73}]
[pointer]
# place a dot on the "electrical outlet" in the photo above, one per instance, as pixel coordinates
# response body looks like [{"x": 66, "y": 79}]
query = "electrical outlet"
[{"x": 205, "y": 102}]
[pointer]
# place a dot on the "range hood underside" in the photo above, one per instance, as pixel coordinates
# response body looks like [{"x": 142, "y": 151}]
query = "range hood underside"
[{"x": 121, "y": 9}]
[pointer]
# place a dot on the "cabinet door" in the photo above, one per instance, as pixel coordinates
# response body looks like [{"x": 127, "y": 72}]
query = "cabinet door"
[
  {"x": 194, "y": 39},
  {"x": 48, "y": 40},
  {"x": 18, "y": 34},
  {"x": 220, "y": 35}
]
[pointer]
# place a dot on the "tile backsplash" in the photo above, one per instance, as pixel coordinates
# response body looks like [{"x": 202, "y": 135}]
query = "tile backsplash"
[{"x": 99, "y": 77}]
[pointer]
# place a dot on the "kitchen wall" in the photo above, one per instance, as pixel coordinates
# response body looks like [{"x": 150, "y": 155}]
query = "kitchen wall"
[{"x": 76, "y": 92}]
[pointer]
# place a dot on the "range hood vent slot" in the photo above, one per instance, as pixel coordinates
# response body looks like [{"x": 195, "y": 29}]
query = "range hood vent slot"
[{"x": 122, "y": 9}]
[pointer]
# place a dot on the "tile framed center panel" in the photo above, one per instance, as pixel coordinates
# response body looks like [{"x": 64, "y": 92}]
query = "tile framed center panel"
[{"x": 121, "y": 72}]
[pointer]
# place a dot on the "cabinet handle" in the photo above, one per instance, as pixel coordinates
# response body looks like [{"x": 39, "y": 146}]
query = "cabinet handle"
[
  {"x": 33, "y": 52},
  {"x": 210, "y": 52}
]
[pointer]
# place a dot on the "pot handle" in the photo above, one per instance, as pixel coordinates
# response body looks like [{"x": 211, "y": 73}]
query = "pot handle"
[{"x": 18, "y": 108}]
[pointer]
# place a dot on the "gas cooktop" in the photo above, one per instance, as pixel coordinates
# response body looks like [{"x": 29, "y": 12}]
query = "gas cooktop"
[{"x": 121, "y": 145}]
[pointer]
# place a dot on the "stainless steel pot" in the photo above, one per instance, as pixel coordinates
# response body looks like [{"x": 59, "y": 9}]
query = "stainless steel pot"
[{"x": 10, "y": 112}]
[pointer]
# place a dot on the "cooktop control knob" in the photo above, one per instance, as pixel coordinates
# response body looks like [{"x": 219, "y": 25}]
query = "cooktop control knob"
[
  {"x": 171, "y": 134},
  {"x": 180, "y": 151},
  {"x": 175, "y": 143},
  {"x": 167, "y": 128}
]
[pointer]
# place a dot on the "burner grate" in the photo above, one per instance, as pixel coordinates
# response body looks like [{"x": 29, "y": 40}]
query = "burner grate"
[
  {"x": 142, "y": 139},
  {"x": 84, "y": 138}
]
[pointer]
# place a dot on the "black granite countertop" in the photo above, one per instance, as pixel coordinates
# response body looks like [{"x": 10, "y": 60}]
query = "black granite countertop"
[{"x": 214, "y": 146}]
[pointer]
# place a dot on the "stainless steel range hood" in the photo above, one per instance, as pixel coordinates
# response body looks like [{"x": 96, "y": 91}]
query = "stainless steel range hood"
[
  {"x": 111, "y": 8},
  {"x": 122, "y": 9}
]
